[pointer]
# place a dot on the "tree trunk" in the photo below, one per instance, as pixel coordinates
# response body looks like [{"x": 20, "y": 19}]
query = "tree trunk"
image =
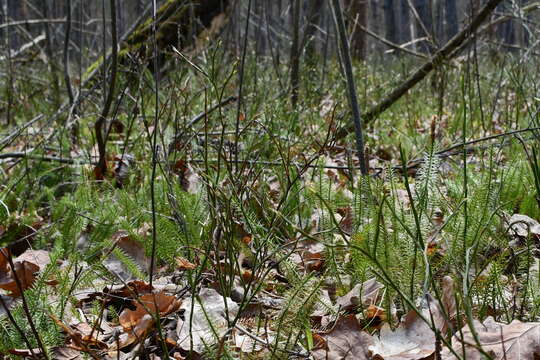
[
  {"x": 404, "y": 22},
  {"x": 357, "y": 10},
  {"x": 424, "y": 27},
  {"x": 314, "y": 17},
  {"x": 179, "y": 22},
  {"x": 390, "y": 21},
  {"x": 295, "y": 52},
  {"x": 451, "y": 18}
]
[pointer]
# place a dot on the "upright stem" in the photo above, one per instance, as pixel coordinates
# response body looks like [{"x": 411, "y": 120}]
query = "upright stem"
[
  {"x": 66, "y": 53},
  {"x": 295, "y": 53},
  {"x": 154, "y": 142},
  {"x": 351, "y": 87},
  {"x": 100, "y": 123},
  {"x": 241, "y": 85}
]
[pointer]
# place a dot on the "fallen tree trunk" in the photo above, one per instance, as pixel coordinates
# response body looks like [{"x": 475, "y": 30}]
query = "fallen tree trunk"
[
  {"x": 447, "y": 51},
  {"x": 179, "y": 23}
]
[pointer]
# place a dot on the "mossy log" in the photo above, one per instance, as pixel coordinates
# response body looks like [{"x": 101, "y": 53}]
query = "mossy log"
[{"x": 179, "y": 23}]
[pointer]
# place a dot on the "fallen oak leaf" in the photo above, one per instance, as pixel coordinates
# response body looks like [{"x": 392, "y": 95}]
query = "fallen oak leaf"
[
  {"x": 413, "y": 339},
  {"x": 137, "y": 333},
  {"x": 365, "y": 294},
  {"x": 40, "y": 258},
  {"x": 82, "y": 342},
  {"x": 24, "y": 272},
  {"x": 345, "y": 341},
  {"x": 148, "y": 304}
]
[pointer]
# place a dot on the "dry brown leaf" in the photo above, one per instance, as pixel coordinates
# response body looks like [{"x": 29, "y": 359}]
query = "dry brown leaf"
[
  {"x": 522, "y": 226},
  {"x": 346, "y": 341},
  {"x": 26, "y": 265},
  {"x": 4, "y": 263},
  {"x": 25, "y": 273},
  {"x": 309, "y": 255},
  {"x": 365, "y": 294},
  {"x": 516, "y": 340},
  {"x": 40, "y": 258},
  {"x": 25, "y": 352},
  {"x": 375, "y": 315},
  {"x": 148, "y": 304},
  {"x": 347, "y": 221},
  {"x": 184, "y": 264},
  {"x": 66, "y": 353},
  {"x": 133, "y": 248},
  {"x": 79, "y": 340},
  {"x": 188, "y": 178},
  {"x": 448, "y": 302},
  {"x": 205, "y": 320},
  {"x": 413, "y": 339},
  {"x": 137, "y": 333}
]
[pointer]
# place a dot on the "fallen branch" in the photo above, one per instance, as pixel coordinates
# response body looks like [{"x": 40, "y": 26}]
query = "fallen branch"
[
  {"x": 444, "y": 53},
  {"x": 25, "y": 155},
  {"x": 25, "y": 47},
  {"x": 177, "y": 141},
  {"x": 455, "y": 149}
]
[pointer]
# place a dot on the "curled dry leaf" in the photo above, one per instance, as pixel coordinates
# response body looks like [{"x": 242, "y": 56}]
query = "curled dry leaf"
[
  {"x": 148, "y": 304},
  {"x": 375, "y": 315},
  {"x": 345, "y": 341},
  {"x": 516, "y": 340},
  {"x": 365, "y": 293},
  {"x": 25, "y": 268},
  {"x": 25, "y": 272},
  {"x": 347, "y": 221},
  {"x": 188, "y": 178},
  {"x": 522, "y": 226},
  {"x": 184, "y": 264},
  {"x": 135, "y": 334},
  {"x": 139, "y": 322},
  {"x": 131, "y": 247},
  {"x": 309, "y": 256},
  {"x": 84, "y": 341}
]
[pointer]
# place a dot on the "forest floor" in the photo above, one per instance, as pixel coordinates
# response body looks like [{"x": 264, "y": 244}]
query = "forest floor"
[{"x": 267, "y": 241}]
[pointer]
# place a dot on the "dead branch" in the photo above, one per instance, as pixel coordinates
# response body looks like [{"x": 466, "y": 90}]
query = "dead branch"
[{"x": 438, "y": 58}]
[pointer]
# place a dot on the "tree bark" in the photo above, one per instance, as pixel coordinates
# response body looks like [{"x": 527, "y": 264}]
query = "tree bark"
[
  {"x": 424, "y": 26},
  {"x": 314, "y": 17},
  {"x": 357, "y": 10},
  {"x": 179, "y": 22},
  {"x": 390, "y": 21},
  {"x": 451, "y": 18},
  {"x": 404, "y": 22}
]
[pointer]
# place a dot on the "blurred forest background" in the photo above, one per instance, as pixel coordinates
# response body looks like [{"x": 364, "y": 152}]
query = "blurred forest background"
[
  {"x": 374, "y": 25},
  {"x": 195, "y": 155}
]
